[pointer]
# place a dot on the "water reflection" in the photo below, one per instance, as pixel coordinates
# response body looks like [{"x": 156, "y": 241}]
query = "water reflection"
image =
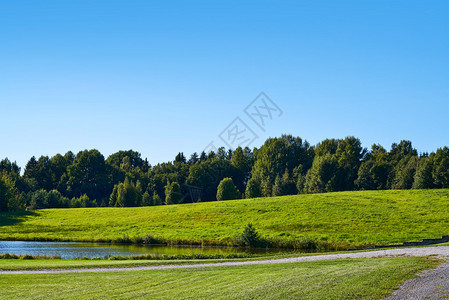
[{"x": 69, "y": 250}]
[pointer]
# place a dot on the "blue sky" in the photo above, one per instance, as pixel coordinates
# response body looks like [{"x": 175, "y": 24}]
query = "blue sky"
[{"x": 168, "y": 76}]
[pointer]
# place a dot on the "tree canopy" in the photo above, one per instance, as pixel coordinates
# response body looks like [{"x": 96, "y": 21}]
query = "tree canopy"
[
  {"x": 283, "y": 165},
  {"x": 227, "y": 190}
]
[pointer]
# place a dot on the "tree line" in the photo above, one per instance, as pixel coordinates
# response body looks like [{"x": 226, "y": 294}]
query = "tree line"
[{"x": 284, "y": 165}]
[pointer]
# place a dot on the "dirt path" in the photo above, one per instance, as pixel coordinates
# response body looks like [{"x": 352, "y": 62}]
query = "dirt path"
[{"x": 423, "y": 251}]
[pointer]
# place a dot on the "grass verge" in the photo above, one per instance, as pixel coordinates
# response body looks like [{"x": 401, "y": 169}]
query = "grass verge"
[
  {"x": 337, "y": 279},
  {"x": 42, "y": 263}
]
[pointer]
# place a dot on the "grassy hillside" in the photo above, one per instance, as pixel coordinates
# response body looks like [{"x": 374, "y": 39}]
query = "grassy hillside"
[
  {"x": 357, "y": 218},
  {"x": 338, "y": 279}
]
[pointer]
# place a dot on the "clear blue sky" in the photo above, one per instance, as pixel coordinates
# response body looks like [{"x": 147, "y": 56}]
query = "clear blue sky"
[{"x": 168, "y": 76}]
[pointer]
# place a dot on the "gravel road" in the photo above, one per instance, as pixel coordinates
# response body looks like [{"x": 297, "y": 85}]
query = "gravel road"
[
  {"x": 431, "y": 284},
  {"x": 442, "y": 251}
]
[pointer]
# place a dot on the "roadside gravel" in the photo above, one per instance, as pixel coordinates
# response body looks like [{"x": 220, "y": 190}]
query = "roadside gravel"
[
  {"x": 431, "y": 284},
  {"x": 442, "y": 251}
]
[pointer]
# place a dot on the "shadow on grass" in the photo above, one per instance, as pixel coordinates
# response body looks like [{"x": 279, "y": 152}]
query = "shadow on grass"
[{"x": 12, "y": 218}]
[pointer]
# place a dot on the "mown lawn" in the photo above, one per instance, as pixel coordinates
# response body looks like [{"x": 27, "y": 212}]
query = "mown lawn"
[
  {"x": 44, "y": 264},
  {"x": 337, "y": 279},
  {"x": 357, "y": 218},
  {"x": 39, "y": 264}
]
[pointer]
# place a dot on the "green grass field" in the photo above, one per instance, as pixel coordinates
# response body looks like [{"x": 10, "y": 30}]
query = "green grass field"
[
  {"x": 338, "y": 279},
  {"x": 41, "y": 264},
  {"x": 355, "y": 218}
]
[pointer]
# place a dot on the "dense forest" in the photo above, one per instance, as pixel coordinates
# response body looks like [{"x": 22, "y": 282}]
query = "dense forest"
[{"x": 282, "y": 166}]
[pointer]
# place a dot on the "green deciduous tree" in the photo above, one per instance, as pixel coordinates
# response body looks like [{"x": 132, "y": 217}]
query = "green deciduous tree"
[
  {"x": 126, "y": 194},
  {"x": 322, "y": 177},
  {"x": 278, "y": 187},
  {"x": 5, "y": 195},
  {"x": 349, "y": 155},
  {"x": 57, "y": 166},
  {"x": 83, "y": 201},
  {"x": 243, "y": 161},
  {"x": 147, "y": 200},
  {"x": 48, "y": 199},
  {"x": 208, "y": 174},
  {"x": 129, "y": 160},
  {"x": 423, "y": 176},
  {"x": 277, "y": 155},
  {"x": 227, "y": 190},
  {"x": 403, "y": 160},
  {"x": 282, "y": 166},
  {"x": 56, "y": 200},
  {"x": 40, "y": 171},
  {"x": 401, "y": 150},
  {"x": 374, "y": 172},
  {"x": 157, "y": 199},
  {"x": 405, "y": 172},
  {"x": 440, "y": 161},
  {"x": 301, "y": 183},
  {"x": 39, "y": 199},
  {"x": 10, "y": 197},
  {"x": 89, "y": 175},
  {"x": 173, "y": 193}
]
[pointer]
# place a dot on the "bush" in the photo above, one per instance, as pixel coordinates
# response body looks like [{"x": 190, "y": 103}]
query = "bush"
[
  {"x": 9, "y": 256},
  {"x": 227, "y": 191},
  {"x": 83, "y": 201},
  {"x": 39, "y": 200},
  {"x": 55, "y": 199},
  {"x": 148, "y": 240},
  {"x": 124, "y": 240},
  {"x": 27, "y": 256}
]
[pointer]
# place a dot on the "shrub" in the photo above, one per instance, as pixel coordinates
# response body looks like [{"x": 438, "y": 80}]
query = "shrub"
[
  {"x": 250, "y": 237},
  {"x": 148, "y": 240},
  {"x": 39, "y": 200},
  {"x": 9, "y": 256},
  {"x": 124, "y": 240},
  {"x": 227, "y": 191}
]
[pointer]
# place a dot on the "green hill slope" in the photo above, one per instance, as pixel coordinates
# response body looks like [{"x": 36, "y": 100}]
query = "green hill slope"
[{"x": 355, "y": 218}]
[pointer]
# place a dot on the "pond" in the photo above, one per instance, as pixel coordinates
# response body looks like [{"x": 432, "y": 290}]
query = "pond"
[{"x": 69, "y": 250}]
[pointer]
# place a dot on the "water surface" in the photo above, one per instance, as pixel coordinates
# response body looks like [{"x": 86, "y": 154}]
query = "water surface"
[{"x": 70, "y": 250}]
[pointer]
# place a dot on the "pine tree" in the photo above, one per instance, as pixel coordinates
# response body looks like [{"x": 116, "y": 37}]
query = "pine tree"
[
  {"x": 278, "y": 187},
  {"x": 253, "y": 189},
  {"x": 146, "y": 199},
  {"x": 423, "y": 175}
]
